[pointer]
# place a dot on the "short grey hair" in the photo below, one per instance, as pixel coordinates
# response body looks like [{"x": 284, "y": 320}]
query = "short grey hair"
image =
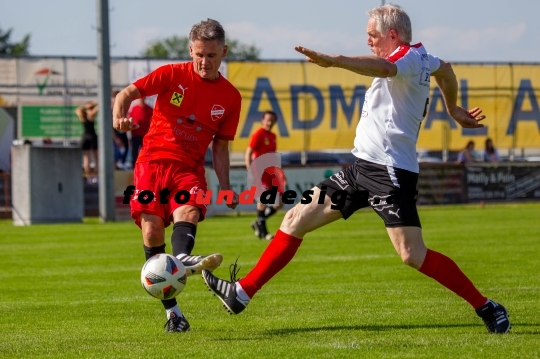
[
  {"x": 208, "y": 30},
  {"x": 390, "y": 17}
]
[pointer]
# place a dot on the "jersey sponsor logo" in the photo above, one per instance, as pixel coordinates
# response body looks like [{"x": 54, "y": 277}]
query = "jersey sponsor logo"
[
  {"x": 184, "y": 135},
  {"x": 182, "y": 88},
  {"x": 194, "y": 191},
  {"x": 396, "y": 213},
  {"x": 177, "y": 98},
  {"x": 217, "y": 112},
  {"x": 380, "y": 203},
  {"x": 339, "y": 179},
  {"x": 189, "y": 122},
  {"x": 144, "y": 198},
  {"x": 188, "y": 145}
]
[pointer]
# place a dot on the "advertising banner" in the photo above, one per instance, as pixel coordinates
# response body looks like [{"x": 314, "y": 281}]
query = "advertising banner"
[
  {"x": 509, "y": 98},
  {"x": 63, "y": 77},
  {"x": 49, "y": 121},
  {"x": 318, "y": 108},
  {"x": 519, "y": 181},
  {"x": 441, "y": 183}
]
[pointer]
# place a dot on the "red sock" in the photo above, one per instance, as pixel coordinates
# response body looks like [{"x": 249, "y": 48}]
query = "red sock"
[
  {"x": 276, "y": 256},
  {"x": 445, "y": 271}
]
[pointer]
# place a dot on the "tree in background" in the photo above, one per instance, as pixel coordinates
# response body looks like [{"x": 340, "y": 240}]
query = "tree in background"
[
  {"x": 170, "y": 47},
  {"x": 239, "y": 51},
  {"x": 178, "y": 48},
  {"x": 13, "y": 48}
]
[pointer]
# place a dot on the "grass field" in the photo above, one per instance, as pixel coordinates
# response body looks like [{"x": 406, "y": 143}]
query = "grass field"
[{"x": 73, "y": 291}]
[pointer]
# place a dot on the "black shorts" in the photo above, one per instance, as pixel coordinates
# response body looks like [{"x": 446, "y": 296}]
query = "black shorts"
[
  {"x": 89, "y": 142},
  {"x": 390, "y": 191}
]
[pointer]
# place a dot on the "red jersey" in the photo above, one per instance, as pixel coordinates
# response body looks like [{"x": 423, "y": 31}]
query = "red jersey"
[
  {"x": 262, "y": 142},
  {"x": 142, "y": 114},
  {"x": 189, "y": 112}
]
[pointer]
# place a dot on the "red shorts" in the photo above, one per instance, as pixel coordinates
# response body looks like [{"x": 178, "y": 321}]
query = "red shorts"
[
  {"x": 156, "y": 176},
  {"x": 274, "y": 176}
]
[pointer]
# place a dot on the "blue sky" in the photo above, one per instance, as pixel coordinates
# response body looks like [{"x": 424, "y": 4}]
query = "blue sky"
[{"x": 457, "y": 30}]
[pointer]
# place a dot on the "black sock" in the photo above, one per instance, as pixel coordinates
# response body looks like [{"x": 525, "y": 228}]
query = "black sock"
[
  {"x": 183, "y": 238},
  {"x": 261, "y": 217},
  {"x": 150, "y": 252},
  {"x": 269, "y": 211}
]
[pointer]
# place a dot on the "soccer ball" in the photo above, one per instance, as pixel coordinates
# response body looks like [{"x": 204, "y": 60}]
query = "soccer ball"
[{"x": 163, "y": 276}]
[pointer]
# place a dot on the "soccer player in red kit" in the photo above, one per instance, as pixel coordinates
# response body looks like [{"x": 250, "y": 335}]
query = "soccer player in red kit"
[
  {"x": 195, "y": 106},
  {"x": 385, "y": 173},
  {"x": 264, "y": 141}
]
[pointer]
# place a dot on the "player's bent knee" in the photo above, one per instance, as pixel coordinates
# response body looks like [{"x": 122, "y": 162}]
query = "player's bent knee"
[
  {"x": 153, "y": 236},
  {"x": 289, "y": 219},
  {"x": 411, "y": 259},
  {"x": 187, "y": 214},
  {"x": 406, "y": 258},
  {"x": 296, "y": 222}
]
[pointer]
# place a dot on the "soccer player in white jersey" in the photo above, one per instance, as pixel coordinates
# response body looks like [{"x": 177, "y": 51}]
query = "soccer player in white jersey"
[{"x": 386, "y": 171}]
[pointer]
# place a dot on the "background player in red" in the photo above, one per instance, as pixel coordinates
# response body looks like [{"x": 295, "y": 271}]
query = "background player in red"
[
  {"x": 195, "y": 106},
  {"x": 142, "y": 115},
  {"x": 264, "y": 141},
  {"x": 385, "y": 174}
]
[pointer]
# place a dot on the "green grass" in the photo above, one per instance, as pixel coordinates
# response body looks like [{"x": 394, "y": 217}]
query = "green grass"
[{"x": 73, "y": 291}]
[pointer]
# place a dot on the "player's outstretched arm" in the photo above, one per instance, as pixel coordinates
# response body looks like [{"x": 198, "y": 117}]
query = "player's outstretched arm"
[
  {"x": 220, "y": 158},
  {"x": 373, "y": 66},
  {"x": 121, "y": 106},
  {"x": 446, "y": 79}
]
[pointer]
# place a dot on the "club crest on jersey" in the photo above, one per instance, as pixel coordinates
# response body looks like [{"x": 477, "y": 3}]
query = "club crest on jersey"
[
  {"x": 177, "y": 98},
  {"x": 217, "y": 112}
]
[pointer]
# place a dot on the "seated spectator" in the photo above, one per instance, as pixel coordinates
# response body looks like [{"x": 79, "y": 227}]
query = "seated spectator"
[
  {"x": 490, "y": 152},
  {"x": 467, "y": 154}
]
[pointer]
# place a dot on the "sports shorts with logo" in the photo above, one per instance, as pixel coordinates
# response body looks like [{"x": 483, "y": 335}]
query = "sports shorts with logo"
[
  {"x": 182, "y": 182},
  {"x": 390, "y": 191}
]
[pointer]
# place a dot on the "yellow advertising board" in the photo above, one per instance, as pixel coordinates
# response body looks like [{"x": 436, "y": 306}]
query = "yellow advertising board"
[{"x": 319, "y": 108}]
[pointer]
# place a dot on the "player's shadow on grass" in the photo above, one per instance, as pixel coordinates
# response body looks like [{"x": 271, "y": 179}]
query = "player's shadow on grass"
[
  {"x": 371, "y": 328},
  {"x": 381, "y": 328}
]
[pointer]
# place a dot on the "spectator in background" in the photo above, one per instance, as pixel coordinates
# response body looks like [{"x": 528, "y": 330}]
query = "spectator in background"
[
  {"x": 264, "y": 141},
  {"x": 120, "y": 142},
  {"x": 89, "y": 142},
  {"x": 490, "y": 152},
  {"x": 142, "y": 115},
  {"x": 467, "y": 155}
]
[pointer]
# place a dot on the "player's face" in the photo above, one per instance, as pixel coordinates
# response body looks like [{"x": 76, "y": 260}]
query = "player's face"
[
  {"x": 207, "y": 56},
  {"x": 381, "y": 46},
  {"x": 268, "y": 121}
]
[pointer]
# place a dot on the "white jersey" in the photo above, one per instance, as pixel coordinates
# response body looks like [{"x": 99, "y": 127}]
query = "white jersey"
[{"x": 393, "y": 110}]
